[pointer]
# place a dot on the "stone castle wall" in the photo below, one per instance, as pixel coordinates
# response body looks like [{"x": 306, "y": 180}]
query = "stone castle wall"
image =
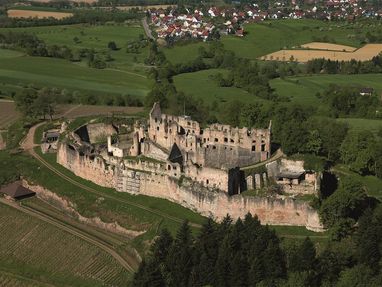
[
  {"x": 93, "y": 169},
  {"x": 219, "y": 204},
  {"x": 191, "y": 195}
]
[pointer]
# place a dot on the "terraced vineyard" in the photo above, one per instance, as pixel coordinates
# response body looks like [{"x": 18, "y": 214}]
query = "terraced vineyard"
[
  {"x": 10, "y": 280},
  {"x": 56, "y": 256}
]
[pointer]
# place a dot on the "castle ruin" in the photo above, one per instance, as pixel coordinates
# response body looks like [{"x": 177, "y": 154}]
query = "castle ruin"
[{"x": 175, "y": 158}]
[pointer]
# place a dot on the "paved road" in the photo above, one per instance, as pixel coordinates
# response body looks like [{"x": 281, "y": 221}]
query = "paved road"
[
  {"x": 71, "y": 230},
  {"x": 147, "y": 29},
  {"x": 278, "y": 154},
  {"x": 28, "y": 145}
]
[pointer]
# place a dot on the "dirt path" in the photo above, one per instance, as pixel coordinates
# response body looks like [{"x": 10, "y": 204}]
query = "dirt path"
[
  {"x": 126, "y": 72},
  {"x": 276, "y": 156},
  {"x": 28, "y": 145},
  {"x": 28, "y": 142},
  {"x": 147, "y": 29},
  {"x": 2, "y": 142},
  {"x": 72, "y": 231}
]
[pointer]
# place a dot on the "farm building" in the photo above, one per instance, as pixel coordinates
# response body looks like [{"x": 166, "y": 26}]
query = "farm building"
[{"x": 16, "y": 191}]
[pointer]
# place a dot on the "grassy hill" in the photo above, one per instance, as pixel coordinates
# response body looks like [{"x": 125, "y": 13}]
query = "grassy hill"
[{"x": 19, "y": 70}]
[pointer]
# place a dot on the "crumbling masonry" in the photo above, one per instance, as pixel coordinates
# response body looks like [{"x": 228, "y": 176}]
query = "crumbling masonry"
[{"x": 173, "y": 157}]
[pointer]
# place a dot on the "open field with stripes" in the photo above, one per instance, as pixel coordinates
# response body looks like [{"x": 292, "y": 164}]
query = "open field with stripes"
[{"x": 50, "y": 255}]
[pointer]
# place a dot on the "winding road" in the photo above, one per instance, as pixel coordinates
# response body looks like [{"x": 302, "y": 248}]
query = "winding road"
[{"x": 147, "y": 29}]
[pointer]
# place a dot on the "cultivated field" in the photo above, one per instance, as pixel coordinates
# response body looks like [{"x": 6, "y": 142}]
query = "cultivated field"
[
  {"x": 8, "y": 113},
  {"x": 12, "y": 280},
  {"x": 49, "y": 254},
  {"x": 15, "y": 13},
  {"x": 327, "y": 46},
  {"x": 365, "y": 53},
  {"x": 75, "y": 111}
]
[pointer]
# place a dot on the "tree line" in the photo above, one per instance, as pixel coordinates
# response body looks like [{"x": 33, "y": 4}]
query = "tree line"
[
  {"x": 36, "y": 103},
  {"x": 328, "y": 66},
  {"x": 245, "y": 253},
  {"x": 90, "y": 16},
  {"x": 34, "y": 46}
]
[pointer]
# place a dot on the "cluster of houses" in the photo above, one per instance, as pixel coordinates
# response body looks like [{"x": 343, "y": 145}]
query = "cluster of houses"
[
  {"x": 200, "y": 23},
  {"x": 174, "y": 25}
]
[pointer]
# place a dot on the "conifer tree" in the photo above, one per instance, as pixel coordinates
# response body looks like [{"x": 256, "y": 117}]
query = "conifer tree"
[{"x": 179, "y": 260}]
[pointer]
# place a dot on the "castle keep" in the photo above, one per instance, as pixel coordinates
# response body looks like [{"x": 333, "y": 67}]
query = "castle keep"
[{"x": 175, "y": 158}]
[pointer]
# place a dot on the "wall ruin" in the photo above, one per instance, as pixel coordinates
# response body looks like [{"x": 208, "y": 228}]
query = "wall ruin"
[{"x": 217, "y": 204}]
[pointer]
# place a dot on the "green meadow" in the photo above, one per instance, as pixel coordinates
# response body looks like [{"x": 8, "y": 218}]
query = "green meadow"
[
  {"x": 303, "y": 89},
  {"x": 95, "y": 37},
  {"x": 17, "y": 69},
  {"x": 363, "y": 124},
  {"x": 200, "y": 85}
]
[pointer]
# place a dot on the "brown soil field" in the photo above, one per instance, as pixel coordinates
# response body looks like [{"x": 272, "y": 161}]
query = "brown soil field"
[
  {"x": 365, "y": 53},
  {"x": 75, "y": 111},
  {"x": 37, "y": 14},
  {"x": 8, "y": 113},
  {"x": 328, "y": 46}
]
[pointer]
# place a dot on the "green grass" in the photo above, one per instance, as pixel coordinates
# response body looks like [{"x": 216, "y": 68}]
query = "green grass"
[
  {"x": 373, "y": 184},
  {"x": 303, "y": 89},
  {"x": 363, "y": 124},
  {"x": 66, "y": 75},
  {"x": 42, "y": 252},
  {"x": 5, "y": 53},
  {"x": 201, "y": 86},
  {"x": 95, "y": 37},
  {"x": 183, "y": 53},
  {"x": 126, "y": 74}
]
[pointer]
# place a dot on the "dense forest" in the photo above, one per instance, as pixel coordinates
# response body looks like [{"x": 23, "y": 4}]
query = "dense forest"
[{"x": 245, "y": 253}]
